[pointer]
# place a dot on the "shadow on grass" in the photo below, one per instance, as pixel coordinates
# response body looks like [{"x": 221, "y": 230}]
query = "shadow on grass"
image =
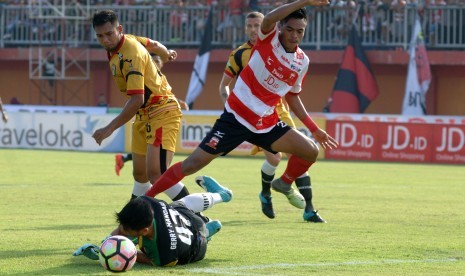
[
  {"x": 62, "y": 227},
  {"x": 81, "y": 265},
  {"x": 11, "y": 254},
  {"x": 106, "y": 184},
  {"x": 248, "y": 223}
]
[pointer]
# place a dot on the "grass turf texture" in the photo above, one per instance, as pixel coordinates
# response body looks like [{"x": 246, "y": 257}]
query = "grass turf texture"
[{"x": 383, "y": 218}]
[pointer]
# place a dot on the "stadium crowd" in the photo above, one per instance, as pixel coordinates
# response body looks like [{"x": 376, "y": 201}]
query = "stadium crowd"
[{"x": 380, "y": 22}]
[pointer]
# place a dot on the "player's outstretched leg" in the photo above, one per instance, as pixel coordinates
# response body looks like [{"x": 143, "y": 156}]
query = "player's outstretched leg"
[
  {"x": 212, "y": 186},
  {"x": 213, "y": 227},
  {"x": 294, "y": 198}
]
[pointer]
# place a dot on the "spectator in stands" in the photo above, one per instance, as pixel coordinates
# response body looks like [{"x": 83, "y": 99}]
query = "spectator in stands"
[
  {"x": 102, "y": 100},
  {"x": 15, "y": 100},
  {"x": 49, "y": 71},
  {"x": 178, "y": 21},
  {"x": 338, "y": 14},
  {"x": 343, "y": 18},
  {"x": 382, "y": 20},
  {"x": 368, "y": 13},
  {"x": 199, "y": 18},
  {"x": 4, "y": 116},
  {"x": 235, "y": 18},
  {"x": 397, "y": 29},
  {"x": 253, "y": 5},
  {"x": 434, "y": 19},
  {"x": 449, "y": 23}
]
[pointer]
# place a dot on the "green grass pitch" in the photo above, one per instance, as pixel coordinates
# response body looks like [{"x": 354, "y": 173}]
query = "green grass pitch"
[{"x": 383, "y": 218}]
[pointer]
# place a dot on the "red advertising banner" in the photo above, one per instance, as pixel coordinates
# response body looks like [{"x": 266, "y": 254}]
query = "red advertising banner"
[
  {"x": 449, "y": 144},
  {"x": 405, "y": 142},
  {"x": 397, "y": 142},
  {"x": 357, "y": 140}
]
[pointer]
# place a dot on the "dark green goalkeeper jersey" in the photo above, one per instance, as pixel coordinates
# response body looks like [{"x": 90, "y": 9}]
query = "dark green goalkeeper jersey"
[{"x": 179, "y": 235}]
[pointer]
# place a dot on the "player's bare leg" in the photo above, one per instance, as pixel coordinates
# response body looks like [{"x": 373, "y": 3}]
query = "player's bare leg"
[
  {"x": 157, "y": 162},
  {"x": 139, "y": 172}
]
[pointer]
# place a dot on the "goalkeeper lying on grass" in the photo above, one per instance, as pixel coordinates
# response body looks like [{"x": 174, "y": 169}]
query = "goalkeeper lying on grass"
[{"x": 168, "y": 234}]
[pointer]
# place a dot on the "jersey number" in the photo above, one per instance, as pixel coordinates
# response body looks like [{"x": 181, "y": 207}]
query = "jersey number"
[{"x": 180, "y": 223}]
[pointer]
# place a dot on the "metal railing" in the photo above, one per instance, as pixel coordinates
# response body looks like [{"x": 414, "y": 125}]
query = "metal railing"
[{"x": 443, "y": 27}]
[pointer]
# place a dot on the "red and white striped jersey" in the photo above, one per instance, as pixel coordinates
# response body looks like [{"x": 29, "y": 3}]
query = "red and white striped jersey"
[{"x": 270, "y": 74}]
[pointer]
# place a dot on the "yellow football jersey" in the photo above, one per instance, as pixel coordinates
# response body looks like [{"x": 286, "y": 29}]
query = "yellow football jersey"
[
  {"x": 238, "y": 59},
  {"x": 136, "y": 73}
]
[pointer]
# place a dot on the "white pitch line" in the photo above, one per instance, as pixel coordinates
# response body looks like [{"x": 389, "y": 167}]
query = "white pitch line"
[{"x": 237, "y": 269}]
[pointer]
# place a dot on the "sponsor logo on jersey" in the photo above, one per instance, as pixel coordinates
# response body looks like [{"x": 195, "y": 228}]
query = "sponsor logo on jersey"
[
  {"x": 269, "y": 60},
  {"x": 295, "y": 68},
  {"x": 285, "y": 59},
  {"x": 213, "y": 143},
  {"x": 277, "y": 74}
]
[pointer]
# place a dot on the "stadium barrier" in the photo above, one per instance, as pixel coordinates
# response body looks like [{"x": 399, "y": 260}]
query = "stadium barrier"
[
  {"x": 328, "y": 27},
  {"x": 58, "y": 128},
  {"x": 363, "y": 137}
]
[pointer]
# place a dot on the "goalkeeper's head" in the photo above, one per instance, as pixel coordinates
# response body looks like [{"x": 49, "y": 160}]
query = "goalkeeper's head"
[{"x": 135, "y": 216}]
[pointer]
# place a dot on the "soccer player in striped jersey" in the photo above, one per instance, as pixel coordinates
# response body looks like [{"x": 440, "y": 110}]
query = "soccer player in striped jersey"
[
  {"x": 276, "y": 69},
  {"x": 238, "y": 59}
]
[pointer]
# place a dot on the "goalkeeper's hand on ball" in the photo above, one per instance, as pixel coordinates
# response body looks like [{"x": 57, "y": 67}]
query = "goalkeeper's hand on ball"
[{"x": 89, "y": 250}]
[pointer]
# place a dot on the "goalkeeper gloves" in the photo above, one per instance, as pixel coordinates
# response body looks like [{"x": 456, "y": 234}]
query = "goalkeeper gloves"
[{"x": 89, "y": 250}]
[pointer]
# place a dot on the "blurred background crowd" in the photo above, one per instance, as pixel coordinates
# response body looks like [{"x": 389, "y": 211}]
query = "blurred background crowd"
[{"x": 181, "y": 23}]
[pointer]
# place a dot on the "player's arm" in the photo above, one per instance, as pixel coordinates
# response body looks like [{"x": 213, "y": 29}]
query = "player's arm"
[
  {"x": 130, "y": 108},
  {"x": 161, "y": 50},
  {"x": 142, "y": 258},
  {"x": 224, "y": 87},
  {"x": 281, "y": 12},
  {"x": 183, "y": 104},
  {"x": 295, "y": 104}
]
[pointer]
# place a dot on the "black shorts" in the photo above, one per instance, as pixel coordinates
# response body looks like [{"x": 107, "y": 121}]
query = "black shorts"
[
  {"x": 228, "y": 133},
  {"x": 199, "y": 246}
]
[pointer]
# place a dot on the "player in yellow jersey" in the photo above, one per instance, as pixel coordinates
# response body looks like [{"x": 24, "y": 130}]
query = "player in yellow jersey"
[
  {"x": 238, "y": 59},
  {"x": 150, "y": 99},
  {"x": 121, "y": 158}
]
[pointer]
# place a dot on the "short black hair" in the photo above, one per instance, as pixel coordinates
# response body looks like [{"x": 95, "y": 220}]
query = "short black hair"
[
  {"x": 297, "y": 14},
  {"x": 137, "y": 214},
  {"x": 102, "y": 17}
]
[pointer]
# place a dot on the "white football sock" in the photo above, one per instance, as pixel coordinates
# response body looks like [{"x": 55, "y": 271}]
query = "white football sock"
[
  {"x": 303, "y": 175},
  {"x": 199, "y": 202},
  {"x": 268, "y": 169},
  {"x": 174, "y": 190},
  {"x": 140, "y": 188}
]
